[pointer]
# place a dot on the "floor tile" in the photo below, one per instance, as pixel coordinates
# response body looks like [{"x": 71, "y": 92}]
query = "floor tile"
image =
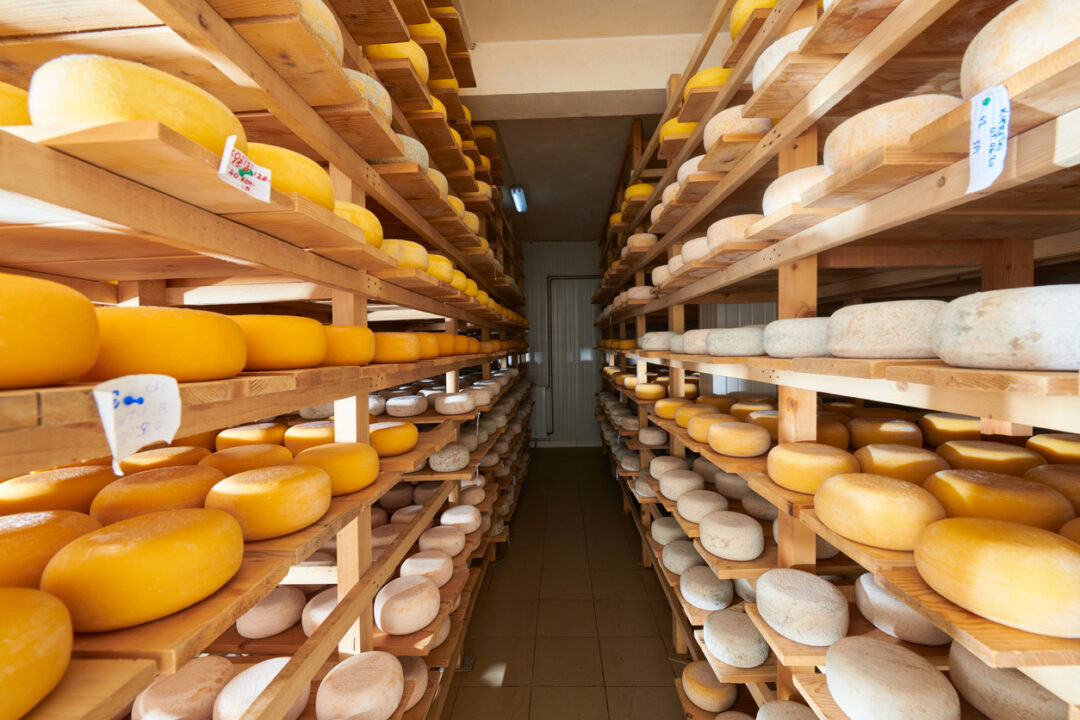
[
  {"x": 560, "y": 536},
  {"x": 567, "y": 661},
  {"x": 568, "y": 703},
  {"x": 498, "y": 662},
  {"x": 650, "y": 582},
  {"x": 521, "y": 558},
  {"x": 565, "y": 586},
  {"x": 481, "y": 703},
  {"x": 514, "y": 586},
  {"x": 627, "y": 617},
  {"x": 615, "y": 557},
  {"x": 509, "y": 618},
  {"x": 635, "y": 661},
  {"x": 566, "y": 618},
  {"x": 617, "y": 584},
  {"x": 565, "y": 559},
  {"x": 644, "y": 703}
]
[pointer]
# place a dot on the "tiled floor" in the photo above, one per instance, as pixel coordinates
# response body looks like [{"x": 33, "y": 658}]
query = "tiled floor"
[{"x": 569, "y": 626}]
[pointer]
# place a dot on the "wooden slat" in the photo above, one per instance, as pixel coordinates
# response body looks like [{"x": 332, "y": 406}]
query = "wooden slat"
[
  {"x": 766, "y": 672},
  {"x": 359, "y": 124},
  {"x": 95, "y": 690},
  {"x": 438, "y": 62},
  {"x": 403, "y": 84},
  {"x": 371, "y": 21}
]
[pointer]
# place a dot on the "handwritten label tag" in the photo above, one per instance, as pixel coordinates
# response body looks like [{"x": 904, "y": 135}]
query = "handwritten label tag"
[
  {"x": 238, "y": 170},
  {"x": 137, "y": 410},
  {"x": 990, "y": 113}
]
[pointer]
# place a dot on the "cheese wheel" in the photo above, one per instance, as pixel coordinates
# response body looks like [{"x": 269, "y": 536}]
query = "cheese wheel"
[
  {"x": 738, "y": 439},
  {"x": 254, "y": 434},
  {"x": 407, "y": 253},
  {"x": 242, "y": 691},
  {"x": 876, "y": 510},
  {"x": 742, "y": 409},
  {"x": 371, "y": 90},
  {"x": 386, "y": 535},
  {"x": 349, "y": 345},
  {"x": 406, "y": 605},
  {"x": 731, "y": 636},
  {"x": 1071, "y": 530},
  {"x": 871, "y": 430},
  {"x": 685, "y": 412},
  {"x": 465, "y": 517},
  {"x": 35, "y": 647},
  {"x": 732, "y": 122},
  {"x": 49, "y": 332},
  {"x": 890, "y": 123},
  {"x": 897, "y": 329},
  {"x": 731, "y": 229},
  {"x": 186, "y": 694},
  {"x": 275, "y": 613},
  {"x": 110, "y": 578},
  {"x": 902, "y": 462},
  {"x": 282, "y": 342},
  {"x": 742, "y": 10},
  {"x": 28, "y": 541},
  {"x": 732, "y": 535},
  {"x": 641, "y": 241},
  {"x": 940, "y": 428},
  {"x": 68, "y": 488},
  {"x": 693, "y": 505},
  {"x": 700, "y": 587},
  {"x": 667, "y": 407},
  {"x": 471, "y": 290},
  {"x": 91, "y": 89},
  {"x": 796, "y": 337},
  {"x": 1060, "y": 448},
  {"x": 239, "y": 459},
  {"x": 367, "y": 686},
  {"x": 704, "y": 690},
  {"x": 393, "y": 438},
  {"x": 655, "y": 340},
  {"x": 162, "y": 457},
  {"x": 451, "y": 458},
  {"x": 203, "y": 439},
  {"x": 988, "y": 567},
  {"x": 698, "y": 425},
  {"x": 431, "y": 28},
  {"x": 768, "y": 419},
  {"x": 1001, "y": 693},
  {"x": 831, "y": 432},
  {"x": 351, "y": 466},
  {"x": 273, "y": 501},
  {"x": 674, "y": 483},
  {"x": 784, "y": 710},
  {"x": 166, "y": 488},
  {"x": 435, "y": 565},
  {"x": 679, "y": 556},
  {"x": 441, "y": 267},
  {"x": 416, "y": 678},
  {"x": 454, "y": 404},
  {"x": 652, "y": 436},
  {"x": 720, "y": 402},
  {"x": 13, "y": 105},
  {"x": 398, "y": 496},
  {"x": 1063, "y": 478},
  {"x": 773, "y": 55},
  {"x": 871, "y": 678},
  {"x": 291, "y": 172},
  {"x": 406, "y": 405},
  {"x": 979, "y": 493},
  {"x": 674, "y": 127},
  {"x": 444, "y": 538},
  {"x": 988, "y": 455},
  {"x": 893, "y": 616},
  {"x": 688, "y": 168},
  {"x": 306, "y": 435},
  {"x": 317, "y": 610},
  {"x": 650, "y": 391},
  {"x": 802, "y": 607},
  {"x": 461, "y": 345},
  {"x": 666, "y": 530},
  {"x": 409, "y": 49}
]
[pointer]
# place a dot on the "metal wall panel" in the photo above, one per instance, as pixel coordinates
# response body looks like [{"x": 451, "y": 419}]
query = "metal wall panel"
[
  {"x": 566, "y": 407},
  {"x": 732, "y": 315}
]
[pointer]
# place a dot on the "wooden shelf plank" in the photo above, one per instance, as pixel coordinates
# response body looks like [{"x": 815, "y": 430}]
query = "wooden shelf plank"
[
  {"x": 361, "y": 125},
  {"x": 843, "y": 26},
  {"x": 371, "y": 21},
  {"x": 438, "y": 61},
  {"x": 730, "y": 569},
  {"x": 404, "y": 85},
  {"x": 794, "y": 77},
  {"x": 766, "y": 672},
  {"x": 873, "y": 559},
  {"x": 815, "y": 690},
  {"x": 726, "y": 152},
  {"x": 413, "y": 12},
  {"x": 95, "y": 690},
  {"x": 741, "y": 42}
]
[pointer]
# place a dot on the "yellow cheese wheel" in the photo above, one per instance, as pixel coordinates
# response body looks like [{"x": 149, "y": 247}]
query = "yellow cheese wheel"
[
  {"x": 459, "y": 281},
  {"x": 884, "y": 412},
  {"x": 149, "y": 491},
  {"x": 291, "y": 172},
  {"x": 48, "y": 332},
  {"x": 431, "y": 28},
  {"x": 871, "y": 430},
  {"x": 876, "y": 510},
  {"x": 189, "y": 345},
  {"x": 204, "y": 439},
  {"x": 446, "y": 343},
  {"x": 84, "y": 89},
  {"x": 688, "y": 410},
  {"x": 721, "y": 403},
  {"x": 407, "y": 253},
  {"x": 393, "y": 438},
  {"x": 630, "y": 382},
  {"x": 690, "y": 390},
  {"x": 474, "y": 345},
  {"x": 306, "y": 435},
  {"x": 487, "y": 347},
  {"x": 35, "y": 648},
  {"x": 322, "y": 23},
  {"x": 1071, "y": 530},
  {"x": 351, "y": 466},
  {"x": 839, "y": 406},
  {"x": 13, "y": 105},
  {"x": 667, "y": 407},
  {"x": 162, "y": 457},
  {"x": 470, "y": 164},
  {"x": 68, "y": 488},
  {"x": 282, "y": 342},
  {"x": 902, "y": 462},
  {"x": 742, "y": 11},
  {"x": 437, "y": 105},
  {"x": 803, "y": 466},
  {"x": 484, "y": 131},
  {"x": 1059, "y": 448},
  {"x": 408, "y": 50},
  {"x": 704, "y": 689},
  {"x": 461, "y": 345},
  {"x": 739, "y": 439},
  {"x": 441, "y": 267},
  {"x": 29, "y": 540},
  {"x": 247, "y": 457},
  {"x": 482, "y": 297},
  {"x": 768, "y": 419},
  {"x": 650, "y": 391},
  {"x": 472, "y": 221},
  {"x": 1063, "y": 478},
  {"x": 273, "y": 501},
  {"x": 486, "y": 162},
  {"x": 698, "y": 426},
  {"x": 396, "y": 347},
  {"x": 831, "y": 432},
  {"x": 1020, "y": 576},
  {"x": 709, "y": 77},
  {"x": 254, "y": 434},
  {"x": 362, "y": 218},
  {"x": 674, "y": 127},
  {"x": 638, "y": 190},
  {"x": 439, "y": 181},
  {"x": 457, "y": 205},
  {"x": 940, "y": 428},
  {"x": 979, "y": 493},
  {"x": 471, "y": 288},
  {"x": 444, "y": 84},
  {"x": 743, "y": 408},
  {"x": 457, "y": 141},
  {"x": 615, "y": 218},
  {"x": 349, "y": 345},
  {"x": 429, "y": 346},
  {"x": 992, "y": 456},
  {"x": 145, "y": 567}
]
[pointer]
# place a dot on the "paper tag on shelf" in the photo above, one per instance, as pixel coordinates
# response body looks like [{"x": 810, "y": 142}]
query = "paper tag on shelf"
[
  {"x": 137, "y": 410},
  {"x": 990, "y": 112},
  {"x": 238, "y": 170}
]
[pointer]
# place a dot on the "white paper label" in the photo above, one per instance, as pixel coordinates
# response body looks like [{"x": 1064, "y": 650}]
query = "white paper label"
[
  {"x": 990, "y": 111},
  {"x": 238, "y": 170},
  {"x": 137, "y": 410}
]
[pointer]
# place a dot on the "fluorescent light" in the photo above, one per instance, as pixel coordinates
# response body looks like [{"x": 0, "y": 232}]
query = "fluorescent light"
[{"x": 517, "y": 192}]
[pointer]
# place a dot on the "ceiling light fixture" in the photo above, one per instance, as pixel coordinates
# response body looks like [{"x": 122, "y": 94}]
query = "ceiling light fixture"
[{"x": 517, "y": 192}]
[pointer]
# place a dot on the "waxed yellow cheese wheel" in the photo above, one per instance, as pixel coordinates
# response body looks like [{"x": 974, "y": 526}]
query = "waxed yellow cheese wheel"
[
  {"x": 306, "y": 435},
  {"x": 487, "y": 347},
  {"x": 291, "y": 172},
  {"x": 698, "y": 426},
  {"x": 349, "y": 345},
  {"x": 396, "y": 347},
  {"x": 162, "y": 457},
  {"x": 1057, "y": 448},
  {"x": 743, "y": 408},
  {"x": 282, "y": 342},
  {"x": 709, "y": 77},
  {"x": 242, "y": 458},
  {"x": 1071, "y": 530},
  {"x": 803, "y": 466},
  {"x": 768, "y": 419},
  {"x": 667, "y": 407},
  {"x": 940, "y": 428},
  {"x": 902, "y": 462},
  {"x": 739, "y": 439},
  {"x": 979, "y": 493},
  {"x": 650, "y": 391},
  {"x": 253, "y": 434},
  {"x": 393, "y": 438},
  {"x": 48, "y": 332},
  {"x": 459, "y": 281},
  {"x": 876, "y": 510},
  {"x": 407, "y": 253},
  {"x": 474, "y": 345},
  {"x": 14, "y": 109},
  {"x": 409, "y": 50},
  {"x": 205, "y": 439},
  {"x": 29, "y": 540},
  {"x": 363, "y": 219},
  {"x": 688, "y": 410},
  {"x": 68, "y": 488},
  {"x": 1063, "y": 478},
  {"x": 189, "y": 345},
  {"x": 154, "y": 490},
  {"x": 35, "y": 648},
  {"x": 351, "y": 466},
  {"x": 471, "y": 288},
  {"x": 446, "y": 343},
  {"x": 440, "y": 267},
  {"x": 273, "y": 501},
  {"x": 145, "y": 567},
  {"x": 721, "y": 403},
  {"x": 429, "y": 346},
  {"x": 431, "y": 28},
  {"x": 674, "y": 127},
  {"x": 461, "y": 345},
  {"x": 991, "y": 456},
  {"x": 743, "y": 9},
  {"x": 870, "y": 430},
  {"x": 831, "y": 432}
]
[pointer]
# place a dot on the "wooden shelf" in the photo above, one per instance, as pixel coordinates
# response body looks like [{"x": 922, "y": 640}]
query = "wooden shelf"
[
  {"x": 730, "y": 569},
  {"x": 874, "y": 560},
  {"x": 95, "y": 689},
  {"x": 371, "y": 21},
  {"x": 765, "y": 672},
  {"x": 724, "y": 462},
  {"x": 741, "y": 42},
  {"x": 438, "y": 61},
  {"x": 815, "y": 690},
  {"x": 404, "y": 85}
]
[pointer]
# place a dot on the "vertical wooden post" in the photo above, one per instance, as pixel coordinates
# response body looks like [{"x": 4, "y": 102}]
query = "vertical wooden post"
[
  {"x": 1007, "y": 264},
  {"x": 451, "y": 327},
  {"x": 804, "y": 17},
  {"x": 485, "y": 368},
  {"x": 142, "y": 293}
]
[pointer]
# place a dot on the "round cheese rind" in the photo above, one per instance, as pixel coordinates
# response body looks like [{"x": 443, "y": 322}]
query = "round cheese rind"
[
  {"x": 784, "y": 710},
  {"x": 688, "y": 168},
  {"x": 406, "y": 405},
  {"x": 738, "y": 439},
  {"x": 660, "y": 275},
  {"x": 876, "y": 510},
  {"x": 239, "y": 694},
  {"x": 666, "y": 530},
  {"x": 802, "y": 607},
  {"x": 397, "y": 496},
  {"x": 293, "y": 172},
  {"x": 445, "y": 538},
  {"x": 35, "y": 647},
  {"x": 277, "y": 612},
  {"x": 796, "y": 337},
  {"x": 406, "y": 605},
  {"x": 1063, "y": 478},
  {"x": 674, "y": 483},
  {"x": 367, "y": 686},
  {"x": 652, "y": 436},
  {"x": 273, "y": 501},
  {"x": 696, "y": 504},
  {"x": 897, "y": 329},
  {"x": 732, "y": 535},
  {"x": 188, "y": 693},
  {"x": 978, "y": 493},
  {"x": 758, "y": 507},
  {"x": 902, "y": 462},
  {"x": 704, "y": 690},
  {"x": 665, "y": 463},
  {"x": 731, "y": 636},
  {"x": 732, "y": 122},
  {"x": 165, "y": 488},
  {"x": 939, "y": 428},
  {"x": 774, "y": 55},
  {"x": 1057, "y": 448},
  {"x": 655, "y": 340},
  {"x": 162, "y": 457},
  {"x": 989, "y": 455},
  {"x": 318, "y": 609},
  {"x": 1001, "y": 693},
  {"x": 435, "y": 565},
  {"x": 29, "y": 540},
  {"x": 788, "y": 188},
  {"x": 730, "y": 229},
  {"x": 736, "y": 342},
  {"x": 416, "y": 677},
  {"x": 679, "y": 556},
  {"x": 701, "y": 588},
  {"x": 451, "y": 458},
  {"x": 893, "y": 616},
  {"x": 868, "y": 430},
  {"x": 280, "y": 342},
  {"x": 465, "y": 517},
  {"x": 695, "y": 249}
]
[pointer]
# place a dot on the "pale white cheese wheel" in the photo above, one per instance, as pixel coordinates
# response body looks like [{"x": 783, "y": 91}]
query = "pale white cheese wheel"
[
  {"x": 895, "y": 329},
  {"x": 659, "y": 275},
  {"x": 731, "y": 229},
  {"x": 652, "y": 436},
  {"x": 731, "y": 636},
  {"x": 666, "y": 530},
  {"x": 442, "y": 632},
  {"x": 641, "y": 292},
  {"x": 464, "y": 517},
  {"x": 366, "y": 686},
  {"x": 789, "y": 187},
  {"x": 406, "y": 515},
  {"x": 435, "y": 565},
  {"x": 1062, "y": 680},
  {"x": 425, "y": 491},
  {"x": 665, "y": 463},
  {"x": 701, "y": 588},
  {"x": 695, "y": 249},
  {"x": 323, "y": 411},
  {"x": 688, "y": 168},
  {"x": 481, "y": 397},
  {"x": 378, "y": 517},
  {"x": 398, "y": 496},
  {"x": 802, "y": 607},
  {"x": 669, "y": 193},
  {"x": 631, "y": 463},
  {"x": 894, "y": 617},
  {"x": 733, "y": 715},
  {"x": 732, "y": 535},
  {"x": 187, "y": 694},
  {"x": 472, "y": 496},
  {"x": 785, "y": 710},
  {"x": 1017, "y": 37},
  {"x": 890, "y": 123},
  {"x": 746, "y": 589},
  {"x": 489, "y": 460},
  {"x": 376, "y": 404},
  {"x": 655, "y": 340},
  {"x": 656, "y": 212},
  {"x": 453, "y": 457},
  {"x": 674, "y": 483},
  {"x": 236, "y": 697},
  {"x": 406, "y": 405},
  {"x": 450, "y": 540},
  {"x": 642, "y": 488},
  {"x": 732, "y": 122},
  {"x": 406, "y": 605},
  {"x": 870, "y": 678},
  {"x": 454, "y": 404},
  {"x": 386, "y": 535},
  {"x": 1001, "y": 693},
  {"x": 705, "y": 690},
  {"x": 1031, "y": 328},
  {"x": 318, "y": 609},
  {"x": 695, "y": 342},
  {"x": 797, "y": 337},
  {"x": 696, "y": 504},
  {"x": 731, "y": 485},
  {"x": 277, "y": 612},
  {"x": 675, "y": 263},
  {"x": 641, "y": 241},
  {"x": 469, "y": 439},
  {"x": 676, "y": 343},
  {"x": 736, "y": 342},
  {"x": 770, "y": 59},
  {"x": 415, "y": 673},
  {"x": 624, "y": 251},
  {"x": 679, "y": 556}
]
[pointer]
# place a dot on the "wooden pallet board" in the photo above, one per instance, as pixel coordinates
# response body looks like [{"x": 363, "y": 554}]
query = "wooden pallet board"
[
  {"x": 95, "y": 690},
  {"x": 371, "y": 21},
  {"x": 439, "y": 67},
  {"x": 730, "y": 569},
  {"x": 741, "y": 42},
  {"x": 786, "y": 501},
  {"x": 766, "y": 672},
  {"x": 728, "y": 150},
  {"x": 404, "y": 85}
]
